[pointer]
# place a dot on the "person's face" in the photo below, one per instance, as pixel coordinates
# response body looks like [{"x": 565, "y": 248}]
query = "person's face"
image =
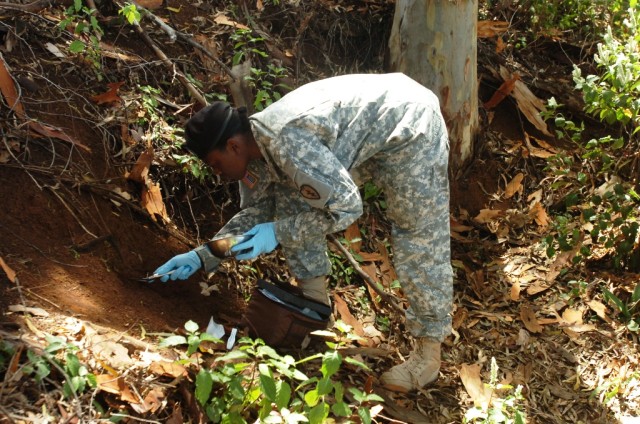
[{"x": 231, "y": 163}]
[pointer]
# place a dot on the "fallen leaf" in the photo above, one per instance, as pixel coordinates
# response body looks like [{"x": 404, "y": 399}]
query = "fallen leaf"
[
  {"x": 528, "y": 317},
  {"x": 514, "y": 186},
  {"x": 500, "y": 45},
  {"x": 11, "y": 274},
  {"x": 572, "y": 316},
  {"x": 151, "y": 200},
  {"x": 116, "y": 386},
  {"x": 539, "y": 215},
  {"x": 600, "y": 309},
  {"x": 168, "y": 369},
  {"x": 49, "y": 131},
  {"x": 110, "y": 96},
  {"x": 487, "y": 29},
  {"x": 527, "y": 102},
  {"x": 488, "y": 215},
  {"x": 346, "y": 316},
  {"x": 223, "y": 20},
  {"x": 152, "y": 402},
  {"x": 502, "y": 92},
  {"x": 353, "y": 237},
  {"x": 515, "y": 291},
  {"x": 140, "y": 170},
  {"x": 107, "y": 349},
  {"x": 8, "y": 89},
  {"x": 55, "y": 50},
  {"x": 27, "y": 310},
  {"x": 479, "y": 393}
]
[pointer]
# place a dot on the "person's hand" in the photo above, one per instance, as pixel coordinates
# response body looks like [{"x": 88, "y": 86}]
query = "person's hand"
[
  {"x": 181, "y": 267},
  {"x": 262, "y": 239}
]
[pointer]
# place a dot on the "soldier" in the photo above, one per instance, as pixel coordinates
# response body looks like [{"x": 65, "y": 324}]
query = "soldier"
[{"x": 300, "y": 162}]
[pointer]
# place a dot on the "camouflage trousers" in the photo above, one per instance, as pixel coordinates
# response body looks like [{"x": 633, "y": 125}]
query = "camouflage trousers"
[{"x": 416, "y": 186}]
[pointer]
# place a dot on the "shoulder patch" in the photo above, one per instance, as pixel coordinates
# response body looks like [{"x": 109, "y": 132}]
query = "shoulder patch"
[
  {"x": 250, "y": 179},
  {"x": 309, "y": 192}
]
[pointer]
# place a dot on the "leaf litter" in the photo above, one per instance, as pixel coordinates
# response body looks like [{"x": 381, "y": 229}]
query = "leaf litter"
[{"x": 513, "y": 305}]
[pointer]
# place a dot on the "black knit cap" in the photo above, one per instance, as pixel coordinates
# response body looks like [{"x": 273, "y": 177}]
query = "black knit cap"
[{"x": 209, "y": 127}]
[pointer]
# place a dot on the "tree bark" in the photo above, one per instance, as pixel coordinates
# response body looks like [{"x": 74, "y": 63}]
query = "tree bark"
[{"x": 435, "y": 43}]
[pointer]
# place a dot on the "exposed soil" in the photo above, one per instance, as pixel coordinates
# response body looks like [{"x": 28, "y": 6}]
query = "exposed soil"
[{"x": 79, "y": 250}]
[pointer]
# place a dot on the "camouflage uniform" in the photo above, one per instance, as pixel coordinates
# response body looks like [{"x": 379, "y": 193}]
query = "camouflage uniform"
[{"x": 314, "y": 142}]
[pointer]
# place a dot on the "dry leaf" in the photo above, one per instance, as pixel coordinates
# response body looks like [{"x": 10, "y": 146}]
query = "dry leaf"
[
  {"x": 140, "y": 170},
  {"x": 108, "y": 350},
  {"x": 470, "y": 376},
  {"x": 151, "y": 200},
  {"x": 352, "y": 235},
  {"x": 8, "y": 89},
  {"x": 539, "y": 215},
  {"x": 117, "y": 386},
  {"x": 500, "y": 45},
  {"x": 572, "y": 316},
  {"x": 11, "y": 274},
  {"x": 168, "y": 369},
  {"x": 600, "y": 309},
  {"x": 488, "y": 215},
  {"x": 502, "y": 92},
  {"x": 38, "y": 312},
  {"x": 346, "y": 316},
  {"x": 487, "y": 29},
  {"x": 515, "y": 291},
  {"x": 528, "y": 317},
  {"x": 110, "y": 96},
  {"x": 223, "y": 20},
  {"x": 528, "y": 103},
  {"x": 514, "y": 186},
  {"x": 49, "y": 131}
]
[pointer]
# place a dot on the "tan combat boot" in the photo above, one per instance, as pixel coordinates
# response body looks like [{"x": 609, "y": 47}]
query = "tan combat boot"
[{"x": 420, "y": 369}]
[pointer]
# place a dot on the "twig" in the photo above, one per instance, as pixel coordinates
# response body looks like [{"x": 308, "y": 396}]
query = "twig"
[
  {"x": 34, "y": 7},
  {"x": 165, "y": 60},
  {"x": 367, "y": 278},
  {"x": 40, "y": 250},
  {"x": 52, "y": 189},
  {"x": 206, "y": 51},
  {"x": 29, "y": 291}
]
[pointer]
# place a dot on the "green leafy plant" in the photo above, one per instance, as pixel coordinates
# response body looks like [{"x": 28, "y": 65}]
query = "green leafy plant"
[
  {"x": 131, "y": 13},
  {"x": 628, "y": 308},
  {"x": 267, "y": 81},
  {"x": 266, "y": 84},
  {"x": 581, "y": 16},
  {"x": 246, "y": 44},
  {"x": 61, "y": 356},
  {"x": 612, "y": 95},
  {"x": 193, "y": 340},
  {"x": 253, "y": 382},
  {"x": 614, "y": 387},
  {"x": 506, "y": 409},
  {"x": 82, "y": 21}
]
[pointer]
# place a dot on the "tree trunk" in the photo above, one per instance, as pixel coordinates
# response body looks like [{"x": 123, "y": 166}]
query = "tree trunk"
[{"x": 434, "y": 42}]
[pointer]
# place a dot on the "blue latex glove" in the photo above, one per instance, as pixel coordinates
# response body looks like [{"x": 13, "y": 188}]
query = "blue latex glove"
[
  {"x": 181, "y": 267},
  {"x": 262, "y": 239}
]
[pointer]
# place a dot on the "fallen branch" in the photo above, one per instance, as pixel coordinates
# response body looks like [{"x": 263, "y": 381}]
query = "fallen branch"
[
  {"x": 167, "y": 62},
  {"x": 389, "y": 299},
  {"x": 174, "y": 34},
  {"x": 34, "y": 7}
]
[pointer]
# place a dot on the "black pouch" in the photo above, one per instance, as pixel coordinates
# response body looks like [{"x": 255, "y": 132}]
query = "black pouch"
[{"x": 281, "y": 317}]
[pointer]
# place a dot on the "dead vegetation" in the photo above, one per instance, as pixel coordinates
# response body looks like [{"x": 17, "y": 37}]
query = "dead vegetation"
[{"x": 94, "y": 196}]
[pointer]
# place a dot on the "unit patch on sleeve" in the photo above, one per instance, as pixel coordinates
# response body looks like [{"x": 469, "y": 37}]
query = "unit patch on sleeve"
[
  {"x": 250, "y": 179},
  {"x": 309, "y": 192},
  {"x": 314, "y": 191}
]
